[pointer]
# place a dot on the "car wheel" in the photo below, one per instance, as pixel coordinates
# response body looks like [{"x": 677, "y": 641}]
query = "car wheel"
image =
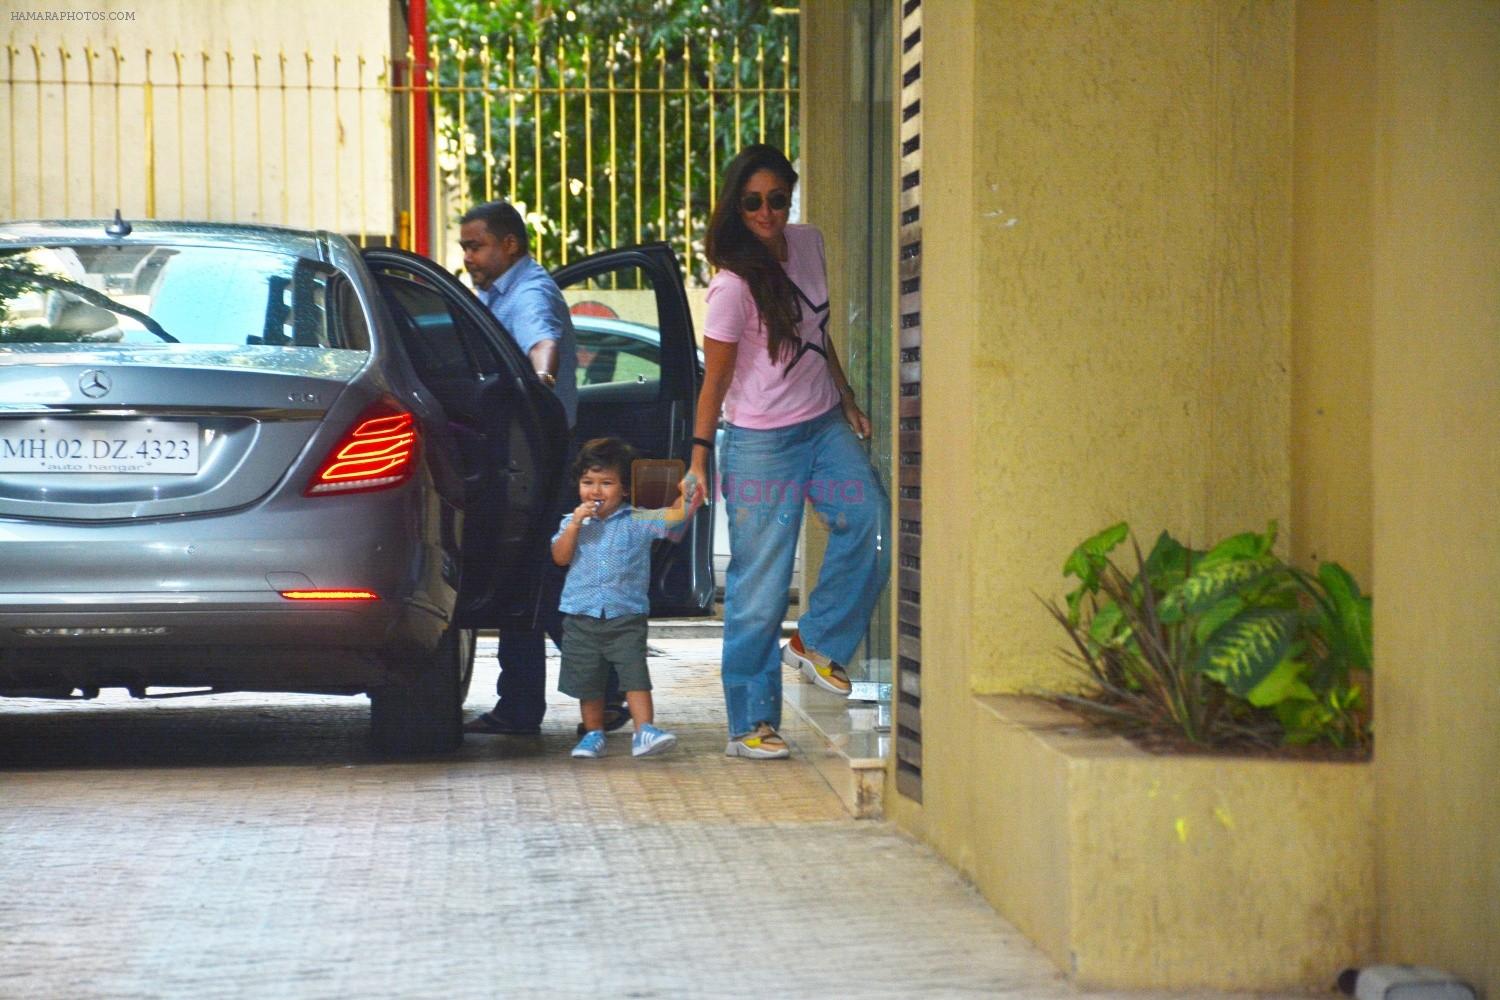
[
  {"x": 467, "y": 643},
  {"x": 425, "y": 716}
]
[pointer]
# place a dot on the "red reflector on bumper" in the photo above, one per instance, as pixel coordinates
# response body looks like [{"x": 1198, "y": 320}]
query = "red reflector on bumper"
[{"x": 330, "y": 595}]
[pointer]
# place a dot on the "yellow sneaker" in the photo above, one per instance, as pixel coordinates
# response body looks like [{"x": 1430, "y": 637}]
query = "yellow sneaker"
[
  {"x": 816, "y": 667},
  {"x": 762, "y": 744}
]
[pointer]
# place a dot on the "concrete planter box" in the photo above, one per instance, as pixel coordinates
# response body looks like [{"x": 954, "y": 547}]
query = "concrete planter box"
[{"x": 1133, "y": 870}]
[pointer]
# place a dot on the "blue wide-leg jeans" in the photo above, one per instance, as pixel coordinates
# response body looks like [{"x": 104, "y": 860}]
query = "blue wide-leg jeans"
[{"x": 767, "y": 475}]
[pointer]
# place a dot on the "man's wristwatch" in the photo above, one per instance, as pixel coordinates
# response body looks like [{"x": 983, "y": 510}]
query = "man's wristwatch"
[{"x": 547, "y": 378}]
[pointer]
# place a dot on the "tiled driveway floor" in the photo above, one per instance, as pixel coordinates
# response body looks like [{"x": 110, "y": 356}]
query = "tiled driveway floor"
[{"x": 253, "y": 846}]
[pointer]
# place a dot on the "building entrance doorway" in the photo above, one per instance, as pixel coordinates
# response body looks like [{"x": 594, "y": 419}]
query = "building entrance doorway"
[{"x": 849, "y": 123}]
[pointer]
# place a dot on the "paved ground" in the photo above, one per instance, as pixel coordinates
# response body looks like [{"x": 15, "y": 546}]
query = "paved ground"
[{"x": 252, "y": 846}]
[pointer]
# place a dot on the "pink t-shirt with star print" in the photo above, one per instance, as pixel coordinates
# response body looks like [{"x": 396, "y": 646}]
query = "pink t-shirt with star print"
[{"x": 763, "y": 394}]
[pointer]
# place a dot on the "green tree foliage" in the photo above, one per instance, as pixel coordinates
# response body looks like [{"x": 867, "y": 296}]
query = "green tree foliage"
[
  {"x": 579, "y": 45},
  {"x": 18, "y": 276}
]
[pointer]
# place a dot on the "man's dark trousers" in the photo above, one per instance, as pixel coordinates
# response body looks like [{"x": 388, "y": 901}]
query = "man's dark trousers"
[{"x": 522, "y": 686}]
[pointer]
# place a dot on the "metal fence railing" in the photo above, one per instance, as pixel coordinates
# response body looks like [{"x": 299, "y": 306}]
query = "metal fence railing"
[
  {"x": 602, "y": 144},
  {"x": 606, "y": 144},
  {"x": 295, "y": 139}
]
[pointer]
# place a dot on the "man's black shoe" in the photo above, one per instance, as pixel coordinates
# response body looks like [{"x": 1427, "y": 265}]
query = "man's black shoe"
[
  {"x": 486, "y": 724},
  {"x": 615, "y": 716}
]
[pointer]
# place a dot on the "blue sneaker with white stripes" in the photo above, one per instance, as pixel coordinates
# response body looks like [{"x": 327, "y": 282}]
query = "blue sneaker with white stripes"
[
  {"x": 649, "y": 740},
  {"x": 592, "y": 744}
]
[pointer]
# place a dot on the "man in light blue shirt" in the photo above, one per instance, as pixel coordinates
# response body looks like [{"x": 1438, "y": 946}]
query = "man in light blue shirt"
[{"x": 523, "y": 297}]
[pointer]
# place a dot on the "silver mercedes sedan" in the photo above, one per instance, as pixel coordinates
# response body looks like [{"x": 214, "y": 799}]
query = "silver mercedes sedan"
[{"x": 242, "y": 458}]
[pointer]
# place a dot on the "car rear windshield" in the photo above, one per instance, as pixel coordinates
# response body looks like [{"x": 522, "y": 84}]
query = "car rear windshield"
[{"x": 143, "y": 294}]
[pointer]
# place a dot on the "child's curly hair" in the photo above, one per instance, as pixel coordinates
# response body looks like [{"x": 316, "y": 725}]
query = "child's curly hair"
[{"x": 608, "y": 454}]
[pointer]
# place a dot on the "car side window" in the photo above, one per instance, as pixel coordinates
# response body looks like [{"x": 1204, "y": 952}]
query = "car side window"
[
  {"x": 349, "y": 317},
  {"x": 480, "y": 348},
  {"x": 430, "y": 332},
  {"x": 618, "y": 331},
  {"x": 605, "y": 358}
]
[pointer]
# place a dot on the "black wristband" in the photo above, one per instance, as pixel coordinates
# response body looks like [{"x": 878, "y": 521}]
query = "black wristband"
[{"x": 704, "y": 442}]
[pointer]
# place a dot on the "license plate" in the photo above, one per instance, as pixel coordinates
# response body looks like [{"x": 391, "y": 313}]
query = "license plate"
[{"x": 145, "y": 447}]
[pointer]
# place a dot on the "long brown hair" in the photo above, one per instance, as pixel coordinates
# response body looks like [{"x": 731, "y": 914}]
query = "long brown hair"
[{"x": 730, "y": 246}]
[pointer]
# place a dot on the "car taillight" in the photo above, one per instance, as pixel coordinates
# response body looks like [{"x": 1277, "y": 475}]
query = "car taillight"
[{"x": 380, "y": 452}]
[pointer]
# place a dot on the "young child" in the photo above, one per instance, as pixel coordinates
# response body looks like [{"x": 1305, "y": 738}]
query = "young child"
[{"x": 607, "y": 545}]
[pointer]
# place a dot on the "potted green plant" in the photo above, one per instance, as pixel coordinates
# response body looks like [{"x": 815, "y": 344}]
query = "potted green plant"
[
  {"x": 1145, "y": 858},
  {"x": 1228, "y": 646}
]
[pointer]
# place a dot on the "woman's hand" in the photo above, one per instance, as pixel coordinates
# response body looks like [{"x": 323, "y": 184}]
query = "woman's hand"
[
  {"x": 856, "y": 417},
  {"x": 694, "y": 485},
  {"x": 718, "y": 371}
]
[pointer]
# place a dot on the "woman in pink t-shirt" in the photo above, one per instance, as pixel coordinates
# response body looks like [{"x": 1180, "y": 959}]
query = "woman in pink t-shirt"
[{"x": 792, "y": 436}]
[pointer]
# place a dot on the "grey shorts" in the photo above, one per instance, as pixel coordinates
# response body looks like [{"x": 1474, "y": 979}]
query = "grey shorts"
[{"x": 590, "y": 646}]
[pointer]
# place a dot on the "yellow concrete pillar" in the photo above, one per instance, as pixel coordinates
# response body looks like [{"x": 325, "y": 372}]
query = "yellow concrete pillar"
[
  {"x": 1331, "y": 289},
  {"x": 1436, "y": 280}
]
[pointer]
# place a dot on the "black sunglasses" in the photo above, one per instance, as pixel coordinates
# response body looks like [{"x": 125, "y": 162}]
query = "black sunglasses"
[{"x": 778, "y": 200}]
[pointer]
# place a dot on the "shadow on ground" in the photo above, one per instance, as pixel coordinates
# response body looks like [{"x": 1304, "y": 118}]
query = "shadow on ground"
[{"x": 241, "y": 730}]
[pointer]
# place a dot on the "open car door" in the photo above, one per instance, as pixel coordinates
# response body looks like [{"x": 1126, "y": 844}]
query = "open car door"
[
  {"x": 638, "y": 379},
  {"x": 510, "y": 429}
]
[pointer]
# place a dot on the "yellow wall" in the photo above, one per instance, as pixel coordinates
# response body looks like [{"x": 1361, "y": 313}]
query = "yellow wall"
[
  {"x": 1436, "y": 322},
  {"x": 1331, "y": 287},
  {"x": 1131, "y": 213},
  {"x": 1198, "y": 266},
  {"x": 1106, "y": 295}
]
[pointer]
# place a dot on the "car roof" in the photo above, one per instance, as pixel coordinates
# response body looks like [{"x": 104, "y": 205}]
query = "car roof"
[{"x": 301, "y": 242}]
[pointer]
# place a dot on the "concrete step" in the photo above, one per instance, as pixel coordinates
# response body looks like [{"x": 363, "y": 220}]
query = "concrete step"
[
  {"x": 699, "y": 628},
  {"x": 686, "y": 628},
  {"x": 661, "y": 628},
  {"x": 847, "y": 741}
]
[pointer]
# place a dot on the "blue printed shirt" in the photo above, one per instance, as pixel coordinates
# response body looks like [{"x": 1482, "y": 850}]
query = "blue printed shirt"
[
  {"x": 528, "y": 303},
  {"x": 610, "y": 575}
]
